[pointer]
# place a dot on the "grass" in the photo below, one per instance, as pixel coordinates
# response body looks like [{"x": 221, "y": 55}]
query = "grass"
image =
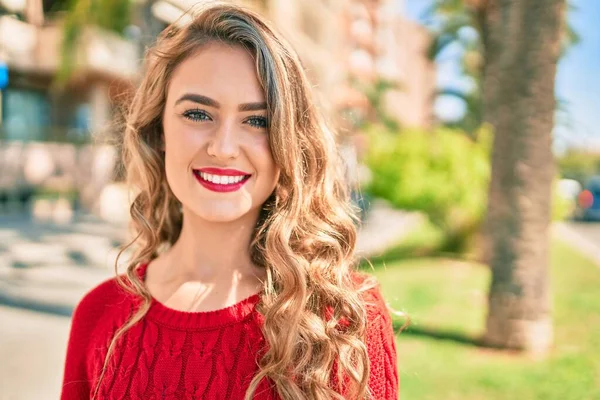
[{"x": 438, "y": 357}]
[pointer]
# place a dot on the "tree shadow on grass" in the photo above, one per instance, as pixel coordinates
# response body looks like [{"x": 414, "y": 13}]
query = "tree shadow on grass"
[{"x": 438, "y": 334}]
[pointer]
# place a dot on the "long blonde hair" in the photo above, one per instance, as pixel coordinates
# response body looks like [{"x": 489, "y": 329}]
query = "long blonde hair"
[{"x": 305, "y": 236}]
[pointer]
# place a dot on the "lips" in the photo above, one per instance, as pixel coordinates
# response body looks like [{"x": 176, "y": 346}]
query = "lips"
[{"x": 221, "y": 180}]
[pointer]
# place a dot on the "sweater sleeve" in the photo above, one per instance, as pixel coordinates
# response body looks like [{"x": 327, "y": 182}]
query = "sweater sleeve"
[
  {"x": 381, "y": 347},
  {"x": 77, "y": 382}
]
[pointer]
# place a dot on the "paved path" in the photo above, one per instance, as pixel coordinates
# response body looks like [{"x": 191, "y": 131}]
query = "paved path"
[
  {"x": 47, "y": 268},
  {"x": 384, "y": 227},
  {"x": 32, "y": 349},
  {"x": 44, "y": 270}
]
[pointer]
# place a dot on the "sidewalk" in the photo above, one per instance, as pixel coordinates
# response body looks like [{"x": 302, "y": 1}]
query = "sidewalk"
[
  {"x": 47, "y": 267},
  {"x": 578, "y": 240},
  {"x": 384, "y": 227}
]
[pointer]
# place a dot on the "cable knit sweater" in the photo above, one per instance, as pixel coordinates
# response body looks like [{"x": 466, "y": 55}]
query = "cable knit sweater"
[{"x": 173, "y": 354}]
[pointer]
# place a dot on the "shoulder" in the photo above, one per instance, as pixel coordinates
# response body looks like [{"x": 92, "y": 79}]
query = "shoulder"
[
  {"x": 104, "y": 303},
  {"x": 370, "y": 291},
  {"x": 95, "y": 317},
  {"x": 101, "y": 297},
  {"x": 378, "y": 314},
  {"x": 380, "y": 340}
]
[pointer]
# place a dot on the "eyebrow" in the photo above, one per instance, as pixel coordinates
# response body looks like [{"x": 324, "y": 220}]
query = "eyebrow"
[{"x": 207, "y": 101}]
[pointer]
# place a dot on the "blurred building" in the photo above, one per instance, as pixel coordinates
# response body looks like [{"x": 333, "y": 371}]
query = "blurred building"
[
  {"x": 39, "y": 123},
  {"x": 31, "y": 47},
  {"x": 349, "y": 47}
]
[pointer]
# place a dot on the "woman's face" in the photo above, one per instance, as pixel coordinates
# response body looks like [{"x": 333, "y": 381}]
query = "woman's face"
[{"x": 217, "y": 156}]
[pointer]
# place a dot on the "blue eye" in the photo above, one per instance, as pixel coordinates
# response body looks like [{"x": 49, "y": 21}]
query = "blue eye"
[
  {"x": 196, "y": 115},
  {"x": 258, "y": 122}
]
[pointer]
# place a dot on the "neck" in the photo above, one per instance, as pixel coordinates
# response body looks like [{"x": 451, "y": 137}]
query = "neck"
[{"x": 213, "y": 252}]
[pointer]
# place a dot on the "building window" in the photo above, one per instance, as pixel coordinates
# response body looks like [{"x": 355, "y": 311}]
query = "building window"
[{"x": 25, "y": 114}]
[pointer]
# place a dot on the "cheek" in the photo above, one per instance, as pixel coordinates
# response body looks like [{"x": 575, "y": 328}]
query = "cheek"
[
  {"x": 179, "y": 153},
  {"x": 263, "y": 156},
  {"x": 180, "y": 143}
]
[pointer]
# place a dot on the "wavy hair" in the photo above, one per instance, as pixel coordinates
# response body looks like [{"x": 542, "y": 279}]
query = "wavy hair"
[{"x": 306, "y": 233}]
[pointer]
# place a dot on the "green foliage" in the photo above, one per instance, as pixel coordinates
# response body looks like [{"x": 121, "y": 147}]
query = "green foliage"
[
  {"x": 442, "y": 173},
  {"x": 447, "y": 303},
  {"x": 58, "y": 6},
  {"x": 579, "y": 165},
  {"x": 55, "y": 194},
  {"x": 112, "y": 15}
]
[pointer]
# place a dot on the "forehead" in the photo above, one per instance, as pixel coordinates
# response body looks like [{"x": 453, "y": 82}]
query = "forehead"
[{"x": 226, "y": 73}]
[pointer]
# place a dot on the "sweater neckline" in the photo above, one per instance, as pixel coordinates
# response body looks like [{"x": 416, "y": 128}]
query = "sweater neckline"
[{"x": 199, "y": 320}]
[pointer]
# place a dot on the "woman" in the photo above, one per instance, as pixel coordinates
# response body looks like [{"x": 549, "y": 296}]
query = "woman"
[{"x": 242, "y": 285}]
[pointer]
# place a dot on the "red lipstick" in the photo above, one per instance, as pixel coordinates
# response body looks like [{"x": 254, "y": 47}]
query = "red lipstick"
[{"x": 212, "y": 179}]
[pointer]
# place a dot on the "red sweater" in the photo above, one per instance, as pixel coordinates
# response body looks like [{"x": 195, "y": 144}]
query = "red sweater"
[{"x": 173, "y": 354}]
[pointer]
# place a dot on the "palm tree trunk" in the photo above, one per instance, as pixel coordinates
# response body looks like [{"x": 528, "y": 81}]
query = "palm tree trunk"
[{"x": 522, "y": 46}]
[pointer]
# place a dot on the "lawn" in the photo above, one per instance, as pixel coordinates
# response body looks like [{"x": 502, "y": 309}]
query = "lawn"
[{"x": 446, "y": 299}]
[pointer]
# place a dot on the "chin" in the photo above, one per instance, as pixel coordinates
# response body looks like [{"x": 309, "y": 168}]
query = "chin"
[
  {"x": 220, "y": 213},
  {"x": 220, "y": 217}
]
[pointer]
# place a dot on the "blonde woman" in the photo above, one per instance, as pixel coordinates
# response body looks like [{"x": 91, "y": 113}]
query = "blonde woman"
[{"x": 242, "y": 283}]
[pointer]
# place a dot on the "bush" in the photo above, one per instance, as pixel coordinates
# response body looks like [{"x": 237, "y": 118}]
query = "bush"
[{"x": 443, "y": 173}]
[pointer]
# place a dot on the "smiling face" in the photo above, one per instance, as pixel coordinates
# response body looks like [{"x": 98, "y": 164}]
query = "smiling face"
[{"x": 217, "y": 156}]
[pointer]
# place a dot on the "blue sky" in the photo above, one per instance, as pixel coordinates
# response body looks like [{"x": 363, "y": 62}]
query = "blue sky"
[{"x": 577, "y": 81}]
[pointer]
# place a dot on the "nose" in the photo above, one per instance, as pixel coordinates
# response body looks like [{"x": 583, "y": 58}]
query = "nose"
[{"x": 223, "y": 144}]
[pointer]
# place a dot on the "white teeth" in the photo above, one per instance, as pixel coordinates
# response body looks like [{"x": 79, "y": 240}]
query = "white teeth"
[{"x": 221, "y": 179}]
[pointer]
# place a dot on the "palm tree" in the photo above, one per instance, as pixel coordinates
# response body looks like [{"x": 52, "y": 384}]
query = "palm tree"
[
  {"x": 460, "y": 23},
  {"x": 521, "y": 41}
]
